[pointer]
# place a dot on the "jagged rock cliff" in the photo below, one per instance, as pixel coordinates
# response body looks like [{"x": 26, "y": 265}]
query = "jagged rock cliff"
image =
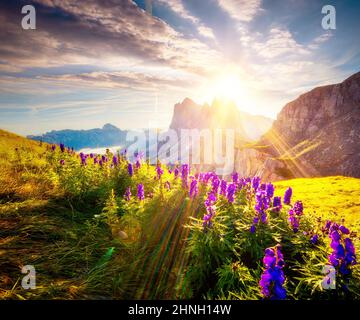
[
  {"x": 221, "y": 114},
  {"x": 318, "y": 134}
]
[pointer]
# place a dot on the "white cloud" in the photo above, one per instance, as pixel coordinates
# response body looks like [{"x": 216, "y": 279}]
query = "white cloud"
[
  {"x": 242, "y": 10},
  {"x": 178, "y": 7},
  {"x": 278, "y": 43}
]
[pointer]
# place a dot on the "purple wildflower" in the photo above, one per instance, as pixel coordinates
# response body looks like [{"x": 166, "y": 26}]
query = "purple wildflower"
[
  {"x": 140, "y": 192},
  {"x": 273, "y": 278},
  {"x": 130, "y": 169},
  {"x": 255, "y": 182},
  {"x": 193, "y": 188},
  {"x": 83, "y": 159},
  {"x": 176, "y": 172},
  {"x": 298, "y": 208},
  {"x": 287, "y": 196},
  {"x": 53, "y": 147},
  {"x": 270, "y": 190},
  {"x": 294, "y": 220},
  {"x": 211, "y": 199},
  {"x": 62, "y": 162},
  {"x": 115, "y": 161},
  {"x": 343, "y": 255},
  {"x": 62, "y": 147},
  {"x": 262, "y": 201},
  {"x": 314, "y": 239},
  {"x": 184, "y": 174},
  {"x": 261, "y": 205},
  {"x": 231, "y": 189},
  {"x": 159, "y": 171},
  {"x": 253, "y": 228},
  {"x": 223, "y": 187},
  {"x": 277, "y": 204},
  {"x": 215, "y": 183},
  {"x": 235, "y": 177}
]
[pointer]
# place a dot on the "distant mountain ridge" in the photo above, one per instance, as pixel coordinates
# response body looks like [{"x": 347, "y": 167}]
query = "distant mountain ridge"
[{"x": 108, "y": 135}]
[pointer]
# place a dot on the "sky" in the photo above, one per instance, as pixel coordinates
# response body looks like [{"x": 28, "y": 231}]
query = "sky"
[{"x": 125, "y": 62}]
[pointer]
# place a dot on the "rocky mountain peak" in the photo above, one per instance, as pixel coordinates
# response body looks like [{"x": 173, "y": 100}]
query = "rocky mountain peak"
[{"x": 321, "y": 128}]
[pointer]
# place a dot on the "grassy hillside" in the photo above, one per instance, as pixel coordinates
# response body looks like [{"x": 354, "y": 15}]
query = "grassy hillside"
[
  {"x": 67, "y": 215},
  {"x": 337, "y": 197}
]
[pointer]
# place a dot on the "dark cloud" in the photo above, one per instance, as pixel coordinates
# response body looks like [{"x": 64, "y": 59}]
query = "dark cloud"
[{"x": 78, "y": 31}]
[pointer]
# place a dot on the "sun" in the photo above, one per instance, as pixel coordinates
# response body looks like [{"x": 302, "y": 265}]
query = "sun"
[{"x": 228, "y": 87}]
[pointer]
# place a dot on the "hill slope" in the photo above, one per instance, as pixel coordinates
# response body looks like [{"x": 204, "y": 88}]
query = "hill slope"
[{"x": 70, "y": 220}]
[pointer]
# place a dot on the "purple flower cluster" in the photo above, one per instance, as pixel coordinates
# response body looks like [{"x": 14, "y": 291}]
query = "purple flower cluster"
[
  {"x": 140, "y": 192},
  {"x": 193, "y": 188},
  {"x": 62, "y": 147},
  {"x": 230, "y": 193},
  {"x": 184, "y": 174},
  {"x": 277, "y": 206},
  {"x": 83, "y": 158},
  {"x": 294, "y": 220},
  {"x": 270, "y": 190},
  {"x": 159, "y": 172},
  {"x": 223, "y": 187},
  {"x": 138, "y": 156},
  {"x": 261, "y": 205},
  {"x": 130, "y": 169},
  {"x": 314, "y": 239},
  {"x": 298, "y": 208},
  {"x": 287, "y": 196},
  {"x": 343, "y": 255},
  {"x": 255, "y": 182},
  {"x": 235, "y": 177},
  {"x": 273, "y": 278},
  {"x": 215, "y": 183},
  {"x": 210, "y": 210},
  {"x": 294, "y": 215}
]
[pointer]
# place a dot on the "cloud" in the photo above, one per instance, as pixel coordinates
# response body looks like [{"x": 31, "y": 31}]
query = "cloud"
[
  {"x": 124, "y": 80},
  {"x": 110, "y": 32},
  {"x": 241, "y": 10},
  {"x": 319, "y": 40},
  {"x": 280, "y": 42},
  {"x": 178, "y": 7}
]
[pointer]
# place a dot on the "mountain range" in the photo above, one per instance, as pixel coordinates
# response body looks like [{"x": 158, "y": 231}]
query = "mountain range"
[
  {"x": 108, "y": 135},
  {"x": 186, "y": 115},
  {"x": 317, "y": 134}
]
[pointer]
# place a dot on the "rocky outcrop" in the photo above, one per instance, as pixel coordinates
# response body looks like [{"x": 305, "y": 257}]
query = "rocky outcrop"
[
  {"x": 220, "y": 115},
  {"x": 319, "y": 132}
]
